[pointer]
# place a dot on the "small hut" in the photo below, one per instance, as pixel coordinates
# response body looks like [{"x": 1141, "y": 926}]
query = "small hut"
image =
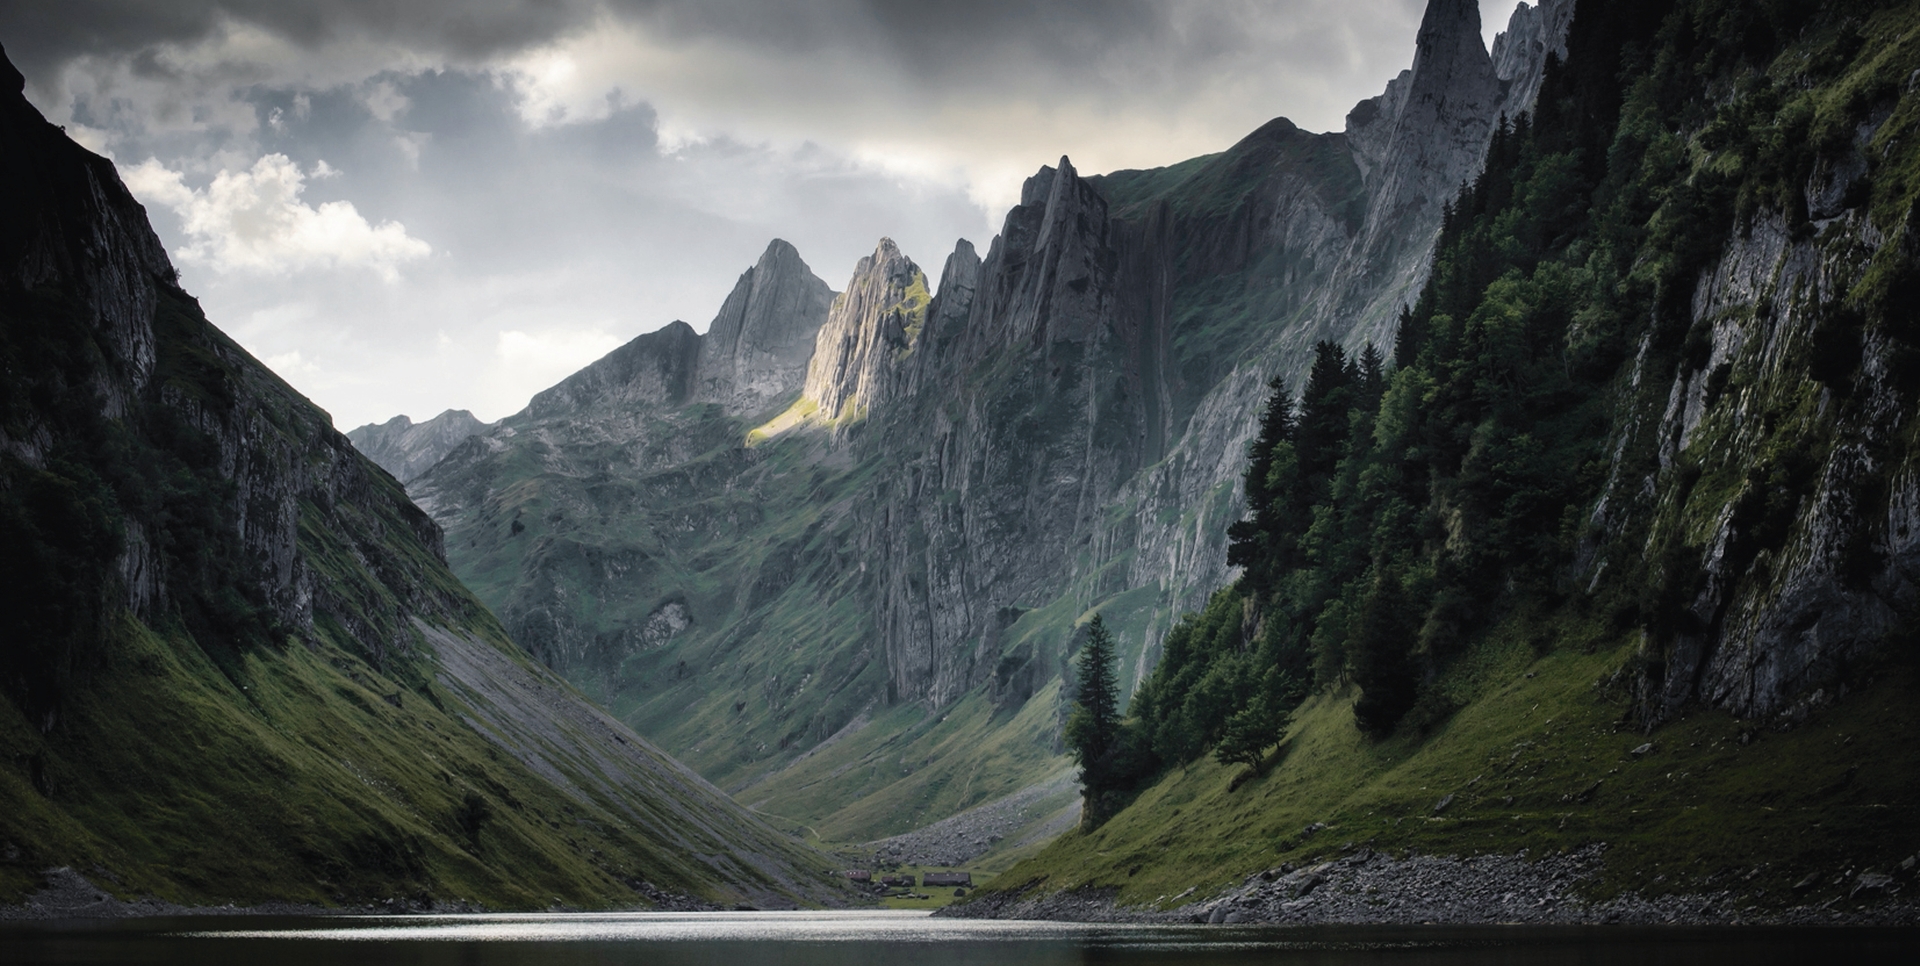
[{"x": 933, "y": 879}]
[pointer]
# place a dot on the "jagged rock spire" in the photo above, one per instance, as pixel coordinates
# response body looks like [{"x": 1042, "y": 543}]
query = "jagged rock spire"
[
  {"x": 757, "y": 348},
  {"x": 873, "y": 324}
]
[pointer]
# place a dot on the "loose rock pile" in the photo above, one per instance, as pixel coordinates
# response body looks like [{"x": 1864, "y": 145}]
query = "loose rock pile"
[
  {"x": 1367, "y": 887},
  {"x": 962, "y": 838}
]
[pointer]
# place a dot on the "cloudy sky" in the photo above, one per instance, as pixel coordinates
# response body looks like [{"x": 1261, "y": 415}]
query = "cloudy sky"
[{"x": 405, "y": 206}]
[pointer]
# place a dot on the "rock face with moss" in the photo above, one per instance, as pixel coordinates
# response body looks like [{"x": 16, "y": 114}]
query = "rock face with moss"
[
  {"x": 1060, "y": 426},
  {"x": 235, "y": 666}
]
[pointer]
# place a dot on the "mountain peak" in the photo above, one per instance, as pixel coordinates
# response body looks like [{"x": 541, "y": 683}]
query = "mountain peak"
[
  {"x": 1452, "y": 23},
  {"x": 407, "y": 449},
  {"x": 756, "y": 350},
  {"x": 875, "y": 322}
]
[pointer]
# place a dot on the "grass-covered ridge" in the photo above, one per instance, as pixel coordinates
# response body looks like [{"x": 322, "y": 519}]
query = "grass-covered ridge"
[{"x": 215, "y": 752}]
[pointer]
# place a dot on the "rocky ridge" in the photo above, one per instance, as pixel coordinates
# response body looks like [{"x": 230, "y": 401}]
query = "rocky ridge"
[{"x": 1364, "y": 887}]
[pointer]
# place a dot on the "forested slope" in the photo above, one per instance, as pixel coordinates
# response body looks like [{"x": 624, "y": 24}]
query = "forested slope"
[{"x": 1615, "y": 543}]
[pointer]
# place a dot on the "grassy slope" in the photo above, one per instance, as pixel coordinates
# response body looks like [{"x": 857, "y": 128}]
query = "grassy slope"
[
  {"x": 1537, "y": 760},
  {"x": 308, "y": 770}
]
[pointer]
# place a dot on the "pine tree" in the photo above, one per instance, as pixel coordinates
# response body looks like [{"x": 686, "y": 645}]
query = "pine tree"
[
  {"x": 1408, "y": 337},
  {"x": 1257, "y": 542},
  {"x": 1093, "y": 729},
  {"x": 1321, "y": 434},
  {"x": 1372, "y": 382},
  {"x": 1095, "y": 720}
]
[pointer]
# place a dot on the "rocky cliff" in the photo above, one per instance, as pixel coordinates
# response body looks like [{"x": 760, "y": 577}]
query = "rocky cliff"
[
  {"x": 760, "y": 345},
  {"x": 236, "y": 666},
  {"x": 406, "y": 448},
  {"x": 1059, "y": 427}
]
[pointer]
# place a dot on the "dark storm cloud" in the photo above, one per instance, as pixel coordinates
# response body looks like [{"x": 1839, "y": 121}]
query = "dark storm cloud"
[
  {"x": 514, "y": 186},
  {"x": 41, "y": 34},
  {"x": 930, "y": 37}
]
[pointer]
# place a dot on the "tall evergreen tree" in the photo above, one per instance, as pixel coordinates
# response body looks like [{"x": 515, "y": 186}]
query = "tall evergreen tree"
[
  {"x": 1372, "y": 378},
  {"x": 1095, "y": 720},
  {"x": 1321, "y": 436},
  {"x": 1258, "y": 543},
  {"x": 1383, "y": 666},
  {"x": 1093, "y": 729},
  {"x": 1407, "y": 338}
]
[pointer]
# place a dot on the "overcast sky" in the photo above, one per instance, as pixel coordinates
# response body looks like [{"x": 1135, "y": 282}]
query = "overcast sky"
[{"x": 404, "y": 207}]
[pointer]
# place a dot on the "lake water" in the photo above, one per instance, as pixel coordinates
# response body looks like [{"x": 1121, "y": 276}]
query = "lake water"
[{"x": 905, "y": 939}]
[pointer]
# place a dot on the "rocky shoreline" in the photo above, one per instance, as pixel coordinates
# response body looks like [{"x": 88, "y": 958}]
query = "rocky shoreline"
[{"x": 1371, "y": 888}]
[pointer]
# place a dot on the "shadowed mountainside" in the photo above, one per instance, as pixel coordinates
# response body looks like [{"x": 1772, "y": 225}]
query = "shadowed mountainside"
[{"x": 235, "y": 666}]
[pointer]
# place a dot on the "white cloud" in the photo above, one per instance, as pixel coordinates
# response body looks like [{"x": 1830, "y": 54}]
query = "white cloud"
[
  {"x": 254, "y": 221},
  {"x": 290, "y": 364}
]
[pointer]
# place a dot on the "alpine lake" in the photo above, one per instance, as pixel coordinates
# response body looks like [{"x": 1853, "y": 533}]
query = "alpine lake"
[{"x": 905, "y": 938}]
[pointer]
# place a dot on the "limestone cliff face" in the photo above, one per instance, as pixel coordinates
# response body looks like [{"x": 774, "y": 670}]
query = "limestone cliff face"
[
  {"x": 1074, "y": 429},
  {"x": 858, "y": 356},
  {"x": 406, "y": 448},
  {"x": 757, "y": 350},
  {"x": 72, "y": 228},
  {"x": 1017, "y": 438}
]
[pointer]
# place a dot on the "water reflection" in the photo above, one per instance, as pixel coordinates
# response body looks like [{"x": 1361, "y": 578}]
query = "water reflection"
[{"x": 905, "y": 939}]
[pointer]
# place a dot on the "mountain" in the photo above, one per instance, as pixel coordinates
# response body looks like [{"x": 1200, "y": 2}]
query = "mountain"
[
  {"x": 234, "y": 666},
  {"x": 406, "y": 448},
  {"x": 854, "y": 607},
  {"x": 1610, "y": 575}
]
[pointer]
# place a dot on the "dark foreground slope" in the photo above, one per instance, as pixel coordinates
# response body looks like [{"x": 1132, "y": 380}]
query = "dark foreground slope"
[
  {"x": 1620, "y": 565},
  {"x": 233, "y": 663}
]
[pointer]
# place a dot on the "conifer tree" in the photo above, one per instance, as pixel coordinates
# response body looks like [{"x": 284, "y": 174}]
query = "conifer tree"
[
  {"x": 1320, "y": 437},
  {"x": 1257, "y": 542},
  {"x": 1372, "y": 368},
  {"x": 1382, "y": 663},
  {"x": 1095, "y": 720},
  {"x": 1093, "y": 729}
]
